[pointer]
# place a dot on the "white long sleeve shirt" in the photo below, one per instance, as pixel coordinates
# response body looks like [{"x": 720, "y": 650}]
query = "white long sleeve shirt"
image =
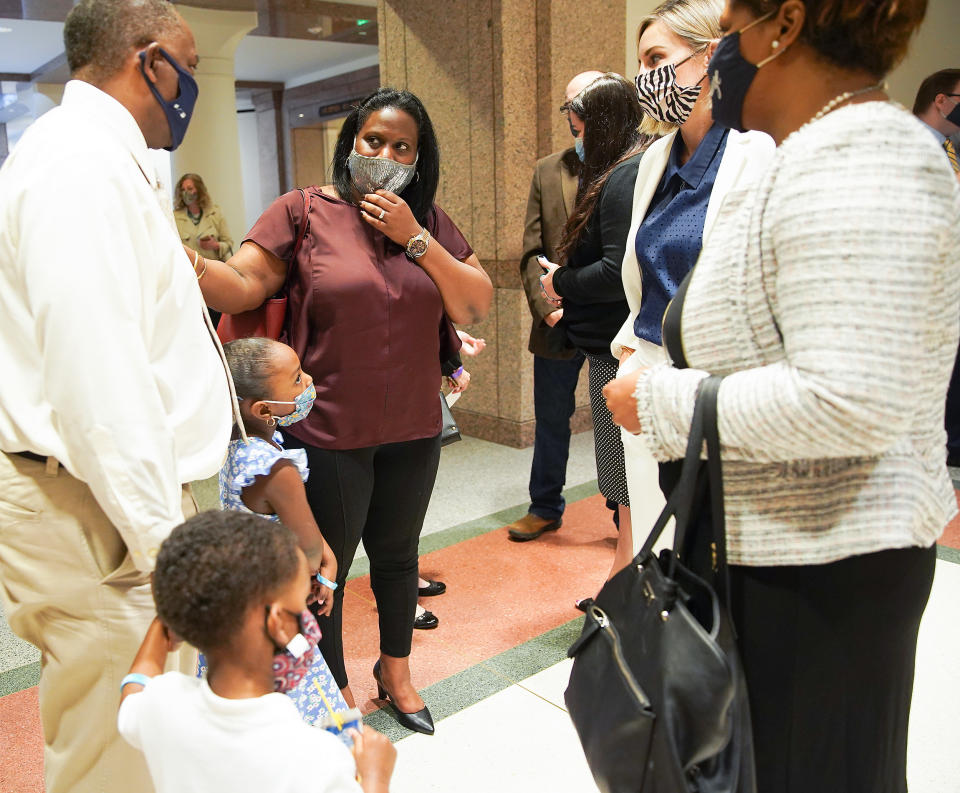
[{"x": 105, "y": 360}]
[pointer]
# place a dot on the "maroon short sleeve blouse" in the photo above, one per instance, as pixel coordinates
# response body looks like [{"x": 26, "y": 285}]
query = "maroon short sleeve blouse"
[{"x": 367, "y": 323}]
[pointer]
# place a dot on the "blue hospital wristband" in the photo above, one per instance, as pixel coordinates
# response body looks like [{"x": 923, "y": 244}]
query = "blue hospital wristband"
[
  {"x": 134, "y": 677},
  {"x": 331, "y": 585}
]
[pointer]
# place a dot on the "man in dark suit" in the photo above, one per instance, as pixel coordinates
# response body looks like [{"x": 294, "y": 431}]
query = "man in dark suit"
[
  {"x": 936, "y": 105},
  {"x": 556, "y": 366}
]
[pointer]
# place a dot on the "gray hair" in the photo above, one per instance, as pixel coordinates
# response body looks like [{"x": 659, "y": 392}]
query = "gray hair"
[
  {"x": 99, "y": 34},
  {"x": 251, "y": 363}
]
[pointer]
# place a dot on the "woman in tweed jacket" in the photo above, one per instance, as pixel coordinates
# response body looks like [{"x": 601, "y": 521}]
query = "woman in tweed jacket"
[{"x": 829, "y": 298}]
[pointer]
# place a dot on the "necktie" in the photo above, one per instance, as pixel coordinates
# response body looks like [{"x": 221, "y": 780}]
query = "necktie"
[{"x": 951, "y": 151}]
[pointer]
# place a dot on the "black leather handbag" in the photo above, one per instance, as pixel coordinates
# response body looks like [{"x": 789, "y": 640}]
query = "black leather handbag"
[
  {"x": 657, "y": 693},
  {"x": 450, "y": 431}
]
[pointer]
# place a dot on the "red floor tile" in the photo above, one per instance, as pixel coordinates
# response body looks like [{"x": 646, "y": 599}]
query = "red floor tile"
[
  {"x": 499, "y": 594},
  {"x": 21, "y": 739}
]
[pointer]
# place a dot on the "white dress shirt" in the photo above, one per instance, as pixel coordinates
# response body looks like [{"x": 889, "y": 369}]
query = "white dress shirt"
[{"x": 106, "y": 363}]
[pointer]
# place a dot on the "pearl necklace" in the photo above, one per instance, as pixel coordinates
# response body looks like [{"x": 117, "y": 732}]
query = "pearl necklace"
[{"x": 839, "y": 100}]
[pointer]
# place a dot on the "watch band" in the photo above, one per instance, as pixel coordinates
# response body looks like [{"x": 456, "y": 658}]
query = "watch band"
[{"x": 417, "y": 244}]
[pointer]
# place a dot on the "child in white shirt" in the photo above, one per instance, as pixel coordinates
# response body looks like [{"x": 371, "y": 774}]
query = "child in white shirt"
[{"x": 235, "y": 586}]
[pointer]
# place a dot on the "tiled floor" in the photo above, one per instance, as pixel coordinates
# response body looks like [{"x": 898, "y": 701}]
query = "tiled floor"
[{"x": 494, "y": 672}]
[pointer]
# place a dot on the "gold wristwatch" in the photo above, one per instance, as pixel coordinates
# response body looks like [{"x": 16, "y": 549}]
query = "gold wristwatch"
[{"x": 417, "y": 244}]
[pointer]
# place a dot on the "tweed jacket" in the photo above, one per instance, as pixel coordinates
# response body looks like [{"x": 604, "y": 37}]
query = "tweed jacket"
[
  {"x": 829, "y": 299},
  {"x": 553, "y": 193}
]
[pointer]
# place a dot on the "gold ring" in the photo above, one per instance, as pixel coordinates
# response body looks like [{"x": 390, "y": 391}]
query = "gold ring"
[{"x": 382, "y": 213}]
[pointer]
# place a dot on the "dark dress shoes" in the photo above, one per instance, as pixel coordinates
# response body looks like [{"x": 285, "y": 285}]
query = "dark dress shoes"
[
  {"x": 432, "y": 588},
  {"x": 426, "y": 621},
  {"x": 421, "y": 721}
]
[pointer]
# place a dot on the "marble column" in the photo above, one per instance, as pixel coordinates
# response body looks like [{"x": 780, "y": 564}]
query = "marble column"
[
  {"x": 211, "y": 147},
  {"x": 492, "y": 74}
]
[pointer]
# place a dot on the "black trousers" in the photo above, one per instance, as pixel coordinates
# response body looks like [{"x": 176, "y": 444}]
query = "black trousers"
[
  {"x": 828, "y": 652},
  {"x": 380, "y": 495}
]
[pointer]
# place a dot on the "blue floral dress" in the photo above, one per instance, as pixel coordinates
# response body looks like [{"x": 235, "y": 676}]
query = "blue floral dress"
[
  {"x": 246, "y": 461},
  {"x": 318, "y": 691}
]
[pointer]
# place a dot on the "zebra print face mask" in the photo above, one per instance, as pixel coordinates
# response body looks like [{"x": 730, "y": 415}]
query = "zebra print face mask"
[{"x": 662, "y": 98}]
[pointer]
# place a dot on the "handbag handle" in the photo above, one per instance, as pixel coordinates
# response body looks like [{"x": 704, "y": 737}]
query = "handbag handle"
[
  {"x": 301, "y": 233},
  {"x": 689, "y": 489}
]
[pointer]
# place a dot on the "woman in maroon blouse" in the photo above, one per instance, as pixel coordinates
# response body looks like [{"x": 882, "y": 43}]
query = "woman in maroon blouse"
[{"x": 378, "y": 278}]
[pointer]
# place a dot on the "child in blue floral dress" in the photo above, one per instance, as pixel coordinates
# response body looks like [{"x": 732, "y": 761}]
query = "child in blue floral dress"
[{"x": 261, "y": 477}]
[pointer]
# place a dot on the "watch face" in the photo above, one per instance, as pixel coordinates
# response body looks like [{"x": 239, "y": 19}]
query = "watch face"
[{"x": 417, "y": 248}]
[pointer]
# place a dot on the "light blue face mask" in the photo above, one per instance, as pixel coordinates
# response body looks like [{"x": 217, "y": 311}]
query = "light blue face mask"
[
  {"x": 303, "y": 402},
  {"x": 578, "y": 145}
]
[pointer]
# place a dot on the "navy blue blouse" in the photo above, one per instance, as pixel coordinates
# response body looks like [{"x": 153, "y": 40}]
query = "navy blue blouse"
[{"x": 671, "y": 235}]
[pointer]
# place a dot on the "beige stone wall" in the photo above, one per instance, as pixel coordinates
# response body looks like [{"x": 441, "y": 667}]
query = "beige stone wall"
[{"x": 491, "y": 74}]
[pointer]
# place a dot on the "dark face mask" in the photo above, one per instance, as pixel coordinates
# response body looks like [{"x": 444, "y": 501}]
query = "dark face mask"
[
  {"x": 954, "y": 115},
  {"x": 178, "y": 111},
  {"x": 730, "y": 77}
]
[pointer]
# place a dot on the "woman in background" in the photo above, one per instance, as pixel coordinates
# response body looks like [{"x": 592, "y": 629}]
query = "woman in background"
[
  {"x": 200, "y": 222},
  {"x": 588, "y": 286}
]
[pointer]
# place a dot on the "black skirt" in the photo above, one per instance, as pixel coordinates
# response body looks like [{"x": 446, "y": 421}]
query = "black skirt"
[{"x": 829, "y": 653}]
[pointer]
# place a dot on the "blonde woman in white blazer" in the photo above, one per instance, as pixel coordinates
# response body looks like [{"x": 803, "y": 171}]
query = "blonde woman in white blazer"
[{"x": 682, "y": 33}]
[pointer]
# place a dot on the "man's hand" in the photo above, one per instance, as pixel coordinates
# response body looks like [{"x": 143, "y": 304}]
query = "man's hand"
[
  {"x": 621, "y": 402},
  {"x": 553, "y": 317}
]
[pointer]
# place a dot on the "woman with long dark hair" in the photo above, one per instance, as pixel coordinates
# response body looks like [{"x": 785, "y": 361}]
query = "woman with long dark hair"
[
  {"x": 379, "y": 276},
  {"x": 589, "y": 286}
]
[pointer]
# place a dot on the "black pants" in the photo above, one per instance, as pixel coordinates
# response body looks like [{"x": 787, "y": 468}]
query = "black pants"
[
  {"x": 829, "y": 652},
  {"x": 379, "y": 494}
]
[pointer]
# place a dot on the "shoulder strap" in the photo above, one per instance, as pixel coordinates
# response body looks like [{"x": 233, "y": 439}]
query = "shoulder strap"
[{"x": 304, "y": 223}]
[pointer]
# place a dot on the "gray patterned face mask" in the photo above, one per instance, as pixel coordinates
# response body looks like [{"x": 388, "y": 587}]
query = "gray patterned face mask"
[{"x": 370, "y": 174}]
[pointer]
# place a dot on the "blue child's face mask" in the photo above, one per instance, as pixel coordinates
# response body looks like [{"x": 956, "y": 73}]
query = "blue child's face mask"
[
  {"x": 179, "y": 110},
  {"x": 303, "y": 403}
]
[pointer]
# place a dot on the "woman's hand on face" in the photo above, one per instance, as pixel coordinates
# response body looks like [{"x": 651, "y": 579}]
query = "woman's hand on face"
[
  {"x": 390, "y": 214},
  {"x": 621, "y": 402}
]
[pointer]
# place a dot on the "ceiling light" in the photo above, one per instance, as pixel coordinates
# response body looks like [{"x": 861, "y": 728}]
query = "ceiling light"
[
  {"x": 316, "y": 30},
  {"x": 301, "y": 115},
  {"x": 6, "y": 30}
]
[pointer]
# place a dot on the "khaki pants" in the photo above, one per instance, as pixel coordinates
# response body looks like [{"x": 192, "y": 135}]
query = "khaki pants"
[{"x": 69, "y": 587}]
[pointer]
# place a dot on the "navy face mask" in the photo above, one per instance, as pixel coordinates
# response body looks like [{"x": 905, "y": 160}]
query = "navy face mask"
[
  {"x": 730, "y": 77},
  {"x": 179, "y": 110},
  {"x": 954, "y": 115}
]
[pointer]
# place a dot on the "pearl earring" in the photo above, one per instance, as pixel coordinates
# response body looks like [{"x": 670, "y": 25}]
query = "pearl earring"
[{"x": 774, "y": 44}]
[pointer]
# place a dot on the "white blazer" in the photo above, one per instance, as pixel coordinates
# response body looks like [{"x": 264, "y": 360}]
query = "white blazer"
[{"x": 745, "y": 158}]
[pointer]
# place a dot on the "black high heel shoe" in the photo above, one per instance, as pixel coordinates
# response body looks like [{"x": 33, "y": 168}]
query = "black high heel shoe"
[{"x": 421, "y": 721}]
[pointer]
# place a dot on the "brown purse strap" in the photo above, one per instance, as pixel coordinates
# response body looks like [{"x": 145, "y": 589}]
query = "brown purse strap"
[{"x": 306, "y": 222}]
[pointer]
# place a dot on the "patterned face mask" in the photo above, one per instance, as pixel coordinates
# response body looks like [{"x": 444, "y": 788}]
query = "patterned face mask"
[
  {"x": 662, "y": 98},
  {"x": 370, "y": 174},
  {"x": 304, "y": 403},
  {"x": 292, "y": 663}
]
